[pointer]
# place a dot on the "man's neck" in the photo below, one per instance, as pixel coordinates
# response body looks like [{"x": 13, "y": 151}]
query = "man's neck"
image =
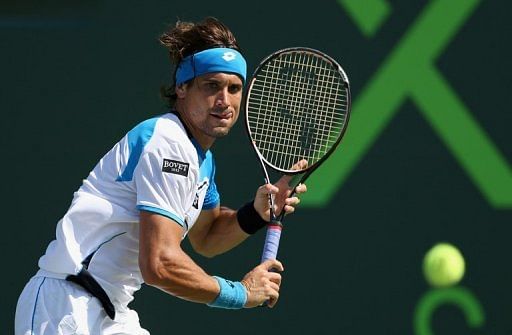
[{"x": 205, "y": 141}]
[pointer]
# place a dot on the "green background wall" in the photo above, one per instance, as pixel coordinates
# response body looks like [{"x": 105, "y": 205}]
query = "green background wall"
[{"x": 75, "y": 77}]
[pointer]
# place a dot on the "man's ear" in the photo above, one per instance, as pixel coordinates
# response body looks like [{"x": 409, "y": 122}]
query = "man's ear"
[{"x": 181, "y": 91}]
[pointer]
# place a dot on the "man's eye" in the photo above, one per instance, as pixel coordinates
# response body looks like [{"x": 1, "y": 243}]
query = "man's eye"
[{"x": 234, "y": 89}]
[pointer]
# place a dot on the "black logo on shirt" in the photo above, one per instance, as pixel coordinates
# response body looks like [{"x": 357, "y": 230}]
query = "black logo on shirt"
[
  {"x": 196, "y": 202},
  {"x": 175, "y": 167}
]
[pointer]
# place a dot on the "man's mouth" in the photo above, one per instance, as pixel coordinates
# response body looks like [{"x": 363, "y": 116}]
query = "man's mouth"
[{"x": 222, "y": 116}]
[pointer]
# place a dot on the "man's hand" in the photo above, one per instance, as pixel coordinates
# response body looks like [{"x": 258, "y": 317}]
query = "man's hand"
[
  {"x": 281, "y": 192},
  {"x": 262, "y": 285}
]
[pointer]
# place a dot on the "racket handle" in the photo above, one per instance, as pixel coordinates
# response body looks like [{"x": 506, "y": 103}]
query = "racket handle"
[{"x": 271, "y": 246}]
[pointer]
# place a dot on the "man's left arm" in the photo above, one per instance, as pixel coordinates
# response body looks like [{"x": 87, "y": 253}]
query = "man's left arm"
[{"x": 217, "y": 230}]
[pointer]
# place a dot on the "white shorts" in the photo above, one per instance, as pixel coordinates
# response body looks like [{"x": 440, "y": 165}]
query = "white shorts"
[{"x": 56, "y": 306}]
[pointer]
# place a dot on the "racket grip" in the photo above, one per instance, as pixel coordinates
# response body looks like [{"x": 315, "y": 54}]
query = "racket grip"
[{"x": 271, "y": 245}]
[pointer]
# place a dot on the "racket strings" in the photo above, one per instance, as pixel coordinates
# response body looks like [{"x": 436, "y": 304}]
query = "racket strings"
[
  {"x": 299, "y": 87},
  {"x": 274, "y": 129},
  {"x": 297, "y": 109}
]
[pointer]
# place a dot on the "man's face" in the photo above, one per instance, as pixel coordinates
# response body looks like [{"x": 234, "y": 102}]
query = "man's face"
[{"x": 211, "y": 104}]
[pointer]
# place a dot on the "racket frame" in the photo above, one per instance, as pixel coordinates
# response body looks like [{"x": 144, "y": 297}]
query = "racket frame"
[
  {"x": 275, "y": 225},
  {"x": 311, "y": 168}
]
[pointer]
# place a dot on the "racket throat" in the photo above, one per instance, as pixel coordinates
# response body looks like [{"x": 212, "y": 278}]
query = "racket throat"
[{"x": 275, "y": 223}]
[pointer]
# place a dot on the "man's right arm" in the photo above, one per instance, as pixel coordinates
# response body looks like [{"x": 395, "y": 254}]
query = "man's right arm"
[{"x": 165, "y": 265}]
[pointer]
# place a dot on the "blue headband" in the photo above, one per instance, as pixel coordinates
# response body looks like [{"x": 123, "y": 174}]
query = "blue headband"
[{"x": 211, "y": 60}]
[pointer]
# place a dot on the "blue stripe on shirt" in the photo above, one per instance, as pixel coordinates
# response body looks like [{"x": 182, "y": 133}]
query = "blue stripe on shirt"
[
  {"x": 138, "y": 137},
  {"x": 162, "y": 212}
]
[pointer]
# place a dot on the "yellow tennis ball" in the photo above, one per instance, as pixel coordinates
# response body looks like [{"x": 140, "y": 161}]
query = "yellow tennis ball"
[{"x": 443, "y": 265}]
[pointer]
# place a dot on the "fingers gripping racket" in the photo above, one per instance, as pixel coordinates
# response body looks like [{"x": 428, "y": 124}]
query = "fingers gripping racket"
[{"x": 297, "y": 108}]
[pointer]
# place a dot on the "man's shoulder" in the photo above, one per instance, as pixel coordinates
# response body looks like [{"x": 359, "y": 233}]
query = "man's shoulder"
[
  {"x": 170, "y": 130},
  {"x": 166, "y": 127},
  {"x": 163, "y": 133}
]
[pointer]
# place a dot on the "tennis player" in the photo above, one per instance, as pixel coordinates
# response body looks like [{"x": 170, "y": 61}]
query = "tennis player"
[{"x": 154, "y": 187}]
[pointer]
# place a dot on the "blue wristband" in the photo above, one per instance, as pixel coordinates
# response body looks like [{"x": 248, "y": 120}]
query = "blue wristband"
[{"x": 232, "y": 295}]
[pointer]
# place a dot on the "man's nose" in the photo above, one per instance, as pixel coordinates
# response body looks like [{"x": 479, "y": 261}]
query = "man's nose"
[{"x": 222, "y": 98}]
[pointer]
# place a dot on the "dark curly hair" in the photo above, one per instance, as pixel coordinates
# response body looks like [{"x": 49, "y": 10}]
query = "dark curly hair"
[{"x": 187, "y": 38}]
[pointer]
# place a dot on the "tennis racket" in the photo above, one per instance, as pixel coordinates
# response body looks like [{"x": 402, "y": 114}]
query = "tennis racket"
[{"x": 297, "y": 108}]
